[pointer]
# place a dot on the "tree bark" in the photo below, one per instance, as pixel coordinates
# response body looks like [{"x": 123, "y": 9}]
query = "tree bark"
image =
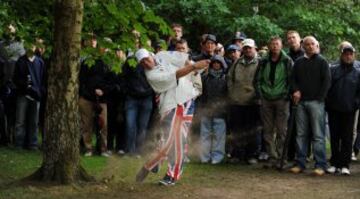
[{"x": 61, "y": 157}]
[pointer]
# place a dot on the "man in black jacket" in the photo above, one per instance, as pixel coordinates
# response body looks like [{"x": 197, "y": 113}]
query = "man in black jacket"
[
  {"x": 295, "y": 51},
  {"x": 11, "y": 49},
  {"x": 294, "y": 42},
  {"x": 310, "y": 81},
  {"x": 3, "y": 135},
  {"x": 94, "y": 89},
  {"x": 342, "y": 102}
]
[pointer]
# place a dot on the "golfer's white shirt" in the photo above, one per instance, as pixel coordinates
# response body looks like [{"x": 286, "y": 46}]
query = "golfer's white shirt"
[{"x": 162, "y": 79}]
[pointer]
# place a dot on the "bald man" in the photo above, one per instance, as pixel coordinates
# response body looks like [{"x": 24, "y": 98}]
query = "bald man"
[{"x": 310, "y": 82}]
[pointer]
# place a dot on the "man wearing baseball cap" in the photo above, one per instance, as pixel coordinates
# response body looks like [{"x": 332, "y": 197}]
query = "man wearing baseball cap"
[
  {"x": 342, "y": 102},
  {"x": 245, "y": 107},
  {"x": 233, "y": 53},
  {"x": 176, "y": 107},
  {"x": 238, "y": 39},
  {"x": 208, "y": 46}
]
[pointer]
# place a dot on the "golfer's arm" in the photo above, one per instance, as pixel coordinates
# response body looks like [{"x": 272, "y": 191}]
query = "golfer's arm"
[{"x": 184, "y": 70}]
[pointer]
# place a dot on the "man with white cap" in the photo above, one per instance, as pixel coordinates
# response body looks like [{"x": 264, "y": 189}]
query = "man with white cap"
[
  {"x": 342, "y": 102},
  {"x": 245, "y": 109},
  {"x": 176, "y": 107}
]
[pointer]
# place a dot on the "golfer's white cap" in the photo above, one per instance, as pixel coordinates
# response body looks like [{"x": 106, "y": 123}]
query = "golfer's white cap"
[{"x": 141, "y": 54}]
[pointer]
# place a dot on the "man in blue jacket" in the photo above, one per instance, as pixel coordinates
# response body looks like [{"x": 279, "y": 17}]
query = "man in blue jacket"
[
  {"x": 29, "y": 81},
  {"x": 342, "y": 103}
]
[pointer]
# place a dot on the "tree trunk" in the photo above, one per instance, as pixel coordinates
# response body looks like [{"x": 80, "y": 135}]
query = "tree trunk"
[{"x": 61, "y": 157}]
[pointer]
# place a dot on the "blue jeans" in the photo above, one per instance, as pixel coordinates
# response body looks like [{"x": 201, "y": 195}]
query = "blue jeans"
[
  {"x": 27, "y": 119},
  {"x": 138, "y": 112},
  {"x": 212, "y": 138},
  {"x": 310, "y": 117}
]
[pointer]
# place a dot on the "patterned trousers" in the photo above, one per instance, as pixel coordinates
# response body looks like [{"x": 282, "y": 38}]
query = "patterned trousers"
[{"x": 175, "y": 126}]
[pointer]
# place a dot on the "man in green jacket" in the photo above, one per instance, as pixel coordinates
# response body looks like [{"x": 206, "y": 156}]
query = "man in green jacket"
[{"x": 272, "y": 84}]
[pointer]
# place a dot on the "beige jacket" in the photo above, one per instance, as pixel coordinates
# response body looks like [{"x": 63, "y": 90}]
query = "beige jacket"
[{"x": 240, "y": 82}]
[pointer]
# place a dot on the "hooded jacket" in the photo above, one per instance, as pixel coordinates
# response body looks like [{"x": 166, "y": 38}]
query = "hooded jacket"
[
  {"x": 212, "y": 102},
  {"x": 10, "y": 52}
]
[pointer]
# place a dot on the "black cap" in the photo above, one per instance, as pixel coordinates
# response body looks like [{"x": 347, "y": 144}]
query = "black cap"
[{"x": 211, "y": 38}]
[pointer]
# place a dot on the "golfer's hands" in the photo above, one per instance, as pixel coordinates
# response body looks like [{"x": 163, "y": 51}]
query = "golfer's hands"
[{"x": 203, "y": 64}]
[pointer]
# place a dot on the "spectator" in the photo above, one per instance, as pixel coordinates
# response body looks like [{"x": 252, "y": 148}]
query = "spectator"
[
  {"x": 94, "y": 89},
  {"x": 238, "y": 39},
  {"x": 311, "y": 81},
  {"x": 160, "y": 45},
  {"x": 29, "y": 82},
  {"x": 294, "y": 42},
  {"x": 182, "y": 46},
  {"x": 178, "y": 34},
  {"x": 208, "y": 48},
  {"x": 233, "y": 53},
  {"x": 295, "y": 51},
  {"x": 219, "y": 50},
  {"x": 138, "y": 107},
  {"x": 3, "y": 134},
  {"x": 244, "y": 105},
  {"x": 263, "y": 51},
  {"x": 176, "y": 107},
  {"x": 342, "y": 102},
  {"x": 11, "y": 49},
  {"x": 273, "y": 85},
  {"x": 212, "y": 103},
  {"x": 356, "y": 137},
  {"x": 116, "y": 139},
  {"x": 40, "y": 52}
]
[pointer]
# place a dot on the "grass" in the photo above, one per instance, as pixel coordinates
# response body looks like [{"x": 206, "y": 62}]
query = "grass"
[
  {"x": 116, "y": 175},
  {"x": 17, "y": 163}
]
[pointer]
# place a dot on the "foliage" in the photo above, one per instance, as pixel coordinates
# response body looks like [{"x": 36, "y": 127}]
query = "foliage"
[
  {"x": 330, "y": 21},
  {"x": 114, "y": 19},
  {"x": 117, "y": 20},
  {"x": 32, "y": 19},
  {"x": 197, "y": 16}
]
